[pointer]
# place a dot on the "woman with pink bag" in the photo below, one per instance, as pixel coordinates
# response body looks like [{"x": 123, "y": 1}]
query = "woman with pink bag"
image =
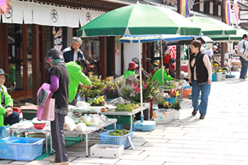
[{"x": 59, "y": 80}]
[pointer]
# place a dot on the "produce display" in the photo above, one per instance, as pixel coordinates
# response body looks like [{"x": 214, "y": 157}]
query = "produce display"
[
  {"x": 99, "y": 101},
  {"x": 169, "y": 85},
  {"x": 96, "y": 90},
  {"x": 118, "y": 132},
  {"x": 92, "y": 120},
  {"x": 126, "y": 107}
]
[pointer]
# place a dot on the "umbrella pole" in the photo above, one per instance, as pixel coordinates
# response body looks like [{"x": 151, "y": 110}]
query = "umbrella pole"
[
  {"x": 141, "y": 86},
  {"x": 162, "y": 62}
]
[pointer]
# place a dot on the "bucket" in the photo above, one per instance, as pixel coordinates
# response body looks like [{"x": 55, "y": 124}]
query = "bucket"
[
  {"x": 171, "y": 99},
  {"x": 187, "y": 92},
  {"x": 214, "y": 77},
  {"x": 218, "y": 76}
]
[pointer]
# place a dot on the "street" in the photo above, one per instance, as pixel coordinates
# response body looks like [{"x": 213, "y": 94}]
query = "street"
[{"x": 221, "y": 138}]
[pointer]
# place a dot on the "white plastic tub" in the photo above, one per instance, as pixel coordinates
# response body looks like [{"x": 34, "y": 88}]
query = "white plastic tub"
[
  {"x": 106, "y": 151},
  {"x": 163, "y": 115}
]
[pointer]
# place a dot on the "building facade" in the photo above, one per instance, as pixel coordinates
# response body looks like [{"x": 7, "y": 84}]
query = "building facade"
[{"x": 30, "y": 29}]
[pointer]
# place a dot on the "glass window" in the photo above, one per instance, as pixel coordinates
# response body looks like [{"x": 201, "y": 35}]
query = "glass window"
[
  {"x": 91, "y": 48},
  {"x": 15, "y": 57}
]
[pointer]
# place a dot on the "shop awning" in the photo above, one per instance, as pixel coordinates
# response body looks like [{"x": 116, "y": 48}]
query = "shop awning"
[{"x": 48, "y": 15}]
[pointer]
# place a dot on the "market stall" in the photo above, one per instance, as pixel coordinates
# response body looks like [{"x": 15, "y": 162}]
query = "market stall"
[{"x": 27, "y": 127}]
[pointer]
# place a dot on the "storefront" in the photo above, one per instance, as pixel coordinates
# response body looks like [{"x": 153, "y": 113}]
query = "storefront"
[{"x": 30, "y": 29}]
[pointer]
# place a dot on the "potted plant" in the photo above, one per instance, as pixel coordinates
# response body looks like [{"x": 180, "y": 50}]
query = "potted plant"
[
  {"x": 150, "y": 90},
  {"x": 110, "y": 90},
  {"x": 176, "y": 106},
  {"x": 98, "y": 101},
  {"x": 161, "y": 102},
  {"x": 224, "y": 73},
  {"x": 96, "y": 90},
  {"x": 174, "y": 93}
]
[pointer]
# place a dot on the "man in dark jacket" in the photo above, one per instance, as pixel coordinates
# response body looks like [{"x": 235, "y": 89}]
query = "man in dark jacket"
[{"x": 73, "y": 53}]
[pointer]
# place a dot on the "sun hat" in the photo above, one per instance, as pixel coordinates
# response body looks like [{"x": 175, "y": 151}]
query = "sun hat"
[
  {"x": 2, "y": 72},
  {"x": 132, "y": 65}
]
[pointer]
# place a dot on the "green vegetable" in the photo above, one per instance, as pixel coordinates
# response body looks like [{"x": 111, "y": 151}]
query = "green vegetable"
[
  {"x": 118, "y": 132},
  {"x": 124, "y": 107},
  {"x": 87, "y": 123}
]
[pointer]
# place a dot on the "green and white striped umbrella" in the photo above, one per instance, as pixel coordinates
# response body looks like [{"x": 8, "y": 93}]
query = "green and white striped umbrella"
[
  {"x": 230, "y": 38},
  {"x": 139, "y": 19},
  {"x": 212, "y": 26}
]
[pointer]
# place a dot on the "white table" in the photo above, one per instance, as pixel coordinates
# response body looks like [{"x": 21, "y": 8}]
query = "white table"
[
  {"x": 127, "y": 113},
  {"x": 91, "y": 129},
  {"x": 47, "y": 130}
]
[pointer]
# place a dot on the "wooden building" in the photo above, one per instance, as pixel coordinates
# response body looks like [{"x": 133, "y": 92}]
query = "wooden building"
[{"x": 31, "y": 28}]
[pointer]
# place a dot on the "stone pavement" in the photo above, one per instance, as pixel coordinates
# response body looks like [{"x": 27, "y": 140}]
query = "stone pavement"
[{"x": 221, "y": 138}]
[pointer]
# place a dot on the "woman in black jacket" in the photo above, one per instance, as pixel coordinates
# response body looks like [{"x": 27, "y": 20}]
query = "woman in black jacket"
[{"x": 200, "y": 75}]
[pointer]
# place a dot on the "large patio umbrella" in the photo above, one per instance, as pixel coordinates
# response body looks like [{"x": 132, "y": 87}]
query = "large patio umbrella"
[
  {"x": 230, "y": 38},
  {"x": 139, "y": 19},
  {"x": 212, "y": 26}
]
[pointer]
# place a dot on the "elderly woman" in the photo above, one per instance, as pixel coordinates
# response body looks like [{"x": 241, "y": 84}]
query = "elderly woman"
[
  {"x": 7, "y": 116},
  {"x": 200, "y": 75},
  {"x": 59, "y": 80}
]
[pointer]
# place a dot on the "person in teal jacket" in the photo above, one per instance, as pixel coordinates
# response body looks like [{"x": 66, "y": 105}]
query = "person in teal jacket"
[
  {"x": 77, "y": 78},
  {"x": 7, "y": 116},
  {"x": 158, "y": 75}
]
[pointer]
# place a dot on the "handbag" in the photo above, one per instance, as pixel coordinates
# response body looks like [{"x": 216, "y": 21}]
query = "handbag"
[
  {"x": 46, "y": 104},
  {"x": 49, "y": 110},
  {"x": 242, "y": 54}
]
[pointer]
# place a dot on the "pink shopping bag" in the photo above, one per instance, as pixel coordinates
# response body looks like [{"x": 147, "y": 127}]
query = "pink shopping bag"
[
  {"x": 49, "y": 110},
  {"x": 44, "y": 103}
]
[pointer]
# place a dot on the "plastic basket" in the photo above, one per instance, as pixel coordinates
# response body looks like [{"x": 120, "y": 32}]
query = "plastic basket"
[
  {"x": 116, "y": 140},
  {"x": 118, "y": 126},
  {"x": 21, "y": 148}
]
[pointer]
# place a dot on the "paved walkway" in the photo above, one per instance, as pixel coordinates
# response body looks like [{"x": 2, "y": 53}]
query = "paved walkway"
[{"x": 221, "y": 138}]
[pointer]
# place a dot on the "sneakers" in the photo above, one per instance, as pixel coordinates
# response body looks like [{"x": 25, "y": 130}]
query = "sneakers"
[
  {"x": 194, "y": 112},
  {"x": 202, "y": 117},
  {"x": 52, "y": 160}
]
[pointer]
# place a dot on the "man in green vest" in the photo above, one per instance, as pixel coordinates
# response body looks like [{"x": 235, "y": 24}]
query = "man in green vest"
[
  {"x": 130, "y": 74},
  {"x": 158, "y": 75},
  {"x": 77, "y": 78}
]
